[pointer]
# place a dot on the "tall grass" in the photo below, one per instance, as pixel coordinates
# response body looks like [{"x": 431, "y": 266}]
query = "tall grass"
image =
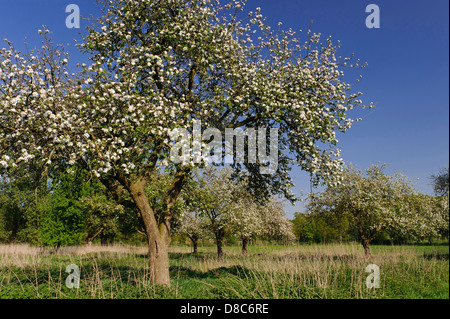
[
  {"x": 327, "y": 271},
  {"x": 310, "y": 271}
]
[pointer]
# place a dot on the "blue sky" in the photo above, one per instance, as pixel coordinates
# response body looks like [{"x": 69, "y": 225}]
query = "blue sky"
[{"x": 407, "y": 74}]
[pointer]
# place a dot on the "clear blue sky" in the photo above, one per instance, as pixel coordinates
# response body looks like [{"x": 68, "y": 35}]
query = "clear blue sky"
[{"x": 407, "y": 74}]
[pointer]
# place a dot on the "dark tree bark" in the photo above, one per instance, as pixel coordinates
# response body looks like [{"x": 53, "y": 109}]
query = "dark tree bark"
[
  {"x": 158, "y": 237},
  {"x": 245, "y": 241},
  {"x": 220, "y": 234},
  {"x": 158, "y": 232},
  {"x": 366, "y": 243},
  {"x": 194, "y": 239}
]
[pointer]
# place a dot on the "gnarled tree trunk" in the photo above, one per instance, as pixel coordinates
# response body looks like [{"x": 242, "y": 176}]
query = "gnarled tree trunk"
[
  {"x": 158, "y": 237},
  {"x": 158, "y": 232},
  {"x": 366, "y": 239},
  {"x": 158, "y": 258}
]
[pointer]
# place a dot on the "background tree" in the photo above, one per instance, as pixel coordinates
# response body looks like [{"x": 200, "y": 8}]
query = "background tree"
[
  {"x": 23, "y": 204},
  {"x": 102, "y": 218},
  {"x": 213, "y": 198},
  {"x": 303, "y": 228},
  {"x": 376, "y": 201},
  {"x": 321, "y": 228},
  {"x": 157, "y": 66},
  {"x": 42, "y": 213},
  {"x": 192, "y": 222},
  {"x": 442, "y": 207},
  {"x": 245, "y": 218},
  {"x": 440, "y": 184},
  {"x": 64, "y": 224},
  {"x": 275, "y": 223},
  {"x": 77, "y": 197},
  {"x": 192, "y": 225}
]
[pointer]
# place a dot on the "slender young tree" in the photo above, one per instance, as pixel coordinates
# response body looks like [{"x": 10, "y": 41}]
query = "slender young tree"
[
  {"x": 275, "y": 223},
  {"x": 213, "y": 197},
  {"x": 193, "y": 225},
  {"x": 159, "y": 65},
  {"x": 245, "y": 219}
]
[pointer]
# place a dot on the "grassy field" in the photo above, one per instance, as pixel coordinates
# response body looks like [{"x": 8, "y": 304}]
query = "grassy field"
[{"x": 309, "y": 271}]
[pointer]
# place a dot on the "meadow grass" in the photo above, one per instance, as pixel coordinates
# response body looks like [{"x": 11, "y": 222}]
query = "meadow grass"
[{"x": 301, "y": 272}]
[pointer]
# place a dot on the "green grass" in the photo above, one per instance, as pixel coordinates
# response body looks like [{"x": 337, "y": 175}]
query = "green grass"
[{"x": 309, "y": 271}]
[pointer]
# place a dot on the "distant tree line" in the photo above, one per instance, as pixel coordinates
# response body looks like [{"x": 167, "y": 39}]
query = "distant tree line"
[
  {"x": 63, "y": 212},
  {"x": 75, "y": 209}
]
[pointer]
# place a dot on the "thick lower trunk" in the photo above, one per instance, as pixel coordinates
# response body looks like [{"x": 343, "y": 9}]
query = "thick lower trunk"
[
  {"x": 365, "y": 241},
  {"x": 158, "y": 232},
  {"x": 158, "y": 258},
  {"x": 245, "y": 241},
  {"x": 158, "y": 237}
]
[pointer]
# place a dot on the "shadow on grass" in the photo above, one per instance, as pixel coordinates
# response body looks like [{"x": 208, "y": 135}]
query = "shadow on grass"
[
  {"x": 181, "y": 271},
  {"x": 437, "y": 256},
  {"x": 198, "y": 255},
  {"x": 313, "y": 257},
  {"x": 191, "y": 256}
]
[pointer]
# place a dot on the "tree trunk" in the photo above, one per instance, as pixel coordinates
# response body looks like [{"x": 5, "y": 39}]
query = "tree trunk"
[
  {"x": 158, "y": 258},
  {"x": 158, "y": 232},
  {"x": 194, "y": 240},
  {"x": 219, "y": 249},
  {"x": 219, "y": 239},
  {"x": 195, "y": 247},
  {"x": 366, "y": 243},
  {"x": 245, "y": 241},
  {"x": 158, "y": 237}
]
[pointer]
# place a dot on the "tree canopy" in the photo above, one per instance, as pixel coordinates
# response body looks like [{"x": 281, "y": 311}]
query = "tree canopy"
[
  {"x": 375, "y": 201},
  {"x": 159, "y": 65}
]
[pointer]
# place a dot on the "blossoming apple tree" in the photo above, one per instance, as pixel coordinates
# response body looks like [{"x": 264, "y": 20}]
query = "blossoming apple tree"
[
  {"x": 218, "y": 204},
  {"x": 375, "y": 201},
  {"x": 213, "y": 198},
  {"x": 157, "y": 65},
  {"x": 193, "y": 226},
  {"x": 276, "y": 224}
]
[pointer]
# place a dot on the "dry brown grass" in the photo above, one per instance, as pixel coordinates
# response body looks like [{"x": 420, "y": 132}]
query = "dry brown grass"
[
  {"x": 23, "y": 255},
  {"x": 324, "y": 271},
  {"x": 307, "y": 271}
]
